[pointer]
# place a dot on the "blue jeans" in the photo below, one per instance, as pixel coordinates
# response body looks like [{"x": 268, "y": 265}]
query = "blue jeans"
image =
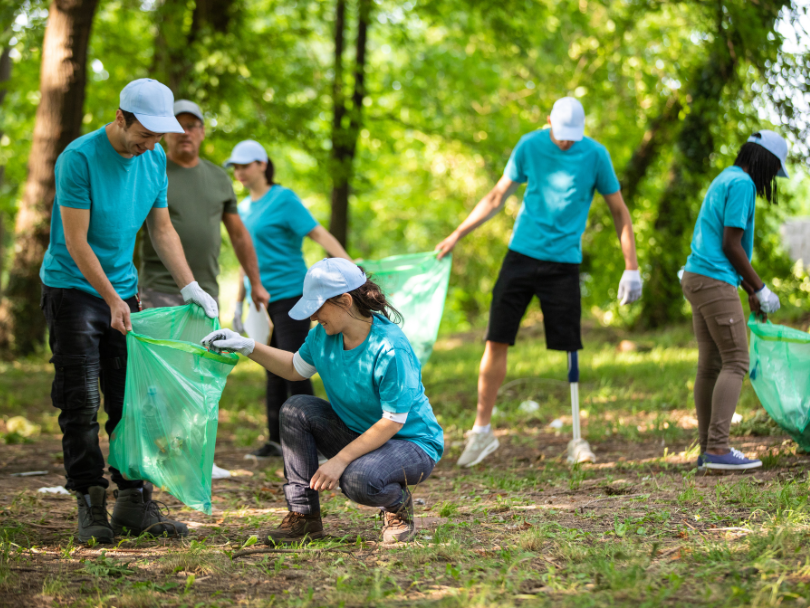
[
  {"x": 378, "y": 479},
  {"x": 87, "y": 352}
]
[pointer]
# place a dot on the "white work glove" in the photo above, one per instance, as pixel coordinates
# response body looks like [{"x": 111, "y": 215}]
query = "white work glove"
[
  {"x": 238, "y": 327},
  {"x": 768, "y": 300},
  {"x": 194, "y": 293},
  {"x": 226, "y": 339},
  {"x": 630, "y": 286}
]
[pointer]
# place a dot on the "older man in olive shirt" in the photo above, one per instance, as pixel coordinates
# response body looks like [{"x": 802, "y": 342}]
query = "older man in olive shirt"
[{"x": 200, "y": 196}]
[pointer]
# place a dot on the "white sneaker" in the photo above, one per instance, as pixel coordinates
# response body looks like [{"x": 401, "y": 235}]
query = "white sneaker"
[
  {"x": 580, "y": 451},
  {"x": 218, "y": 473},
  {"x": 479, "y": 446}
]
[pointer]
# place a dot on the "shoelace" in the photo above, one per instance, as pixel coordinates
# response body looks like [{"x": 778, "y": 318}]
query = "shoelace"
[
  {"x": 737, "y": 453},
  {"x": 99, "y": 515},
  {"x": 153, "y": 507},
  {"x": 291, "y": 519}
]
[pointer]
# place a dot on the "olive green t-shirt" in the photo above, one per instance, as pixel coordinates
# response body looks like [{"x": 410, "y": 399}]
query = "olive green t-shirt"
[{"x": 197, "y": 199}]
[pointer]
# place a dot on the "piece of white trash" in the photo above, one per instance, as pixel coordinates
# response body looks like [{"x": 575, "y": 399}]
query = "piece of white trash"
[
  {"x": 219, "y": 473},
  {"x": 529, "y": 406},
  {"x": 556, "y": 424},
  {"x": 54, "y": 490},
  {"x": 29, "y": 474},
  {"x": 736, "y": 418}
]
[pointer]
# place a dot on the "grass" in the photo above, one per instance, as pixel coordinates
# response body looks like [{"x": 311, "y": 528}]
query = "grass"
[{"x": 638, "y": 528}]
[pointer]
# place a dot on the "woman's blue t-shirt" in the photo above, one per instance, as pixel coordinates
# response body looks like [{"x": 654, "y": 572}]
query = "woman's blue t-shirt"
[
  {"x": 277, "y": 223},
  {"x": 729, "y": 201},
  {"x": 381, "y": 374}
]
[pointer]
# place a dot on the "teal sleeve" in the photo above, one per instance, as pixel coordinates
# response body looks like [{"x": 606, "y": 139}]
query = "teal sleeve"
[
  {"x": 307, "y": 347},
  {"x": 606, "y": 180},
  {"x": 398, "y": 382},
  {"x": 161, "y": 201},
  {"x": 298, "y": 217},
  {"x": 740, "y": 201},
  {"x": 515, "y": 169},
  {"x": 72, "y": 180}
]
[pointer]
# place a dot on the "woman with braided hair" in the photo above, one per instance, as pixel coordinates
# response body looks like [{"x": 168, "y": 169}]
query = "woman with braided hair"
[
  {"x": 720, "y": 261},
  {"x": 377, "y": 429}
]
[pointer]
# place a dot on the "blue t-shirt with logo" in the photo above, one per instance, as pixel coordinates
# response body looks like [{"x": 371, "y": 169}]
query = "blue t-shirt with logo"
[
  {"x": 278, "y": 223},
  {"x": 558, "y": 196},
  {"x": 119, "y": 192},
  {"x": 730, "y": 201},
  {"x": 381, "y": 374}
]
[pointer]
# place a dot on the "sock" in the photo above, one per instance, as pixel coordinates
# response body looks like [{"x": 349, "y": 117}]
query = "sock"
[{"x": 481, "y": 429}]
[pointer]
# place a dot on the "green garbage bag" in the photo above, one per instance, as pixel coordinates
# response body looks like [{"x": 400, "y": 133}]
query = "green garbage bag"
[
  {"x": 417, "y": 287},
  {"x": 168, "y": 429},
  {"x": 780, "y": 375}
]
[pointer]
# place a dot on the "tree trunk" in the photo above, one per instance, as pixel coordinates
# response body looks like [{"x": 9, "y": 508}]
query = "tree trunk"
[
  {"x": 679, "y": 203},
  {"x": 5, "y": 75},
  {"x": 58, "y": 122},
  {"x": 346, "y": 122},
  {"x": 173, "y": 59},
  {"x": 659, "y": 133}
]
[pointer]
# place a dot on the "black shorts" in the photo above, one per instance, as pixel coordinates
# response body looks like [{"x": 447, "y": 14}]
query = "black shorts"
[{"x": 555, "y": 284}]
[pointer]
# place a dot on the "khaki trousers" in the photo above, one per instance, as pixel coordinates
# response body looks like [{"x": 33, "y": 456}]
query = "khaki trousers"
[{"x": 720, "y": 329}]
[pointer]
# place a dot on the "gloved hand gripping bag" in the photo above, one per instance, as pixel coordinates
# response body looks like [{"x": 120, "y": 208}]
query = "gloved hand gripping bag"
[
  {"x": 168, "y": 429},
  {"x": 780, "y": 375}
]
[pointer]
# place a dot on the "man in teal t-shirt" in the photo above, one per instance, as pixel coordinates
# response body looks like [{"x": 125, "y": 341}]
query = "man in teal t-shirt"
[
  {"x": 108, "y": 183},
  {"x": 562, "y": 169}
]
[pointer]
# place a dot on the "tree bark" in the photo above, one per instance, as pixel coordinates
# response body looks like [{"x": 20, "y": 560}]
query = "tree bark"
[
  {"x": 58, "y": 122},
  {"x": 5, "y": 75},
  {"x": 346, "y": 123}
]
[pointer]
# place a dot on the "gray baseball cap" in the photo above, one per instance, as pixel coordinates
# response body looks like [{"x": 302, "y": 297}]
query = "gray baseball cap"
[{"x": 184, "y": 106}]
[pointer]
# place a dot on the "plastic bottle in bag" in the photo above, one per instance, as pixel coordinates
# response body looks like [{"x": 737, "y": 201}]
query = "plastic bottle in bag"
[{"x": 159, "y": 430}]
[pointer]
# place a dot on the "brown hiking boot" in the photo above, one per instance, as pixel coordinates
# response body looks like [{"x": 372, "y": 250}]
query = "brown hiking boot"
[
  {"x": 296, "y": 527},
  {"x": 399, "y": 527}
]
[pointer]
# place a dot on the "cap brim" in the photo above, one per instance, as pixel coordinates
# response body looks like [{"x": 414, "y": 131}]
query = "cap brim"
[
  {"x": 305, "y": 308},
  {"x": 239, "y": 161},
  {"x": 160, "y": 124},
  {"x": 567, "y": 133},
  {"x": 782, "y": 172}
]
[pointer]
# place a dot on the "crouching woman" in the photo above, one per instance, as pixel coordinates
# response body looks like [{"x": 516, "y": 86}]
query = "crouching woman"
[{"x": 377, "y": 429}]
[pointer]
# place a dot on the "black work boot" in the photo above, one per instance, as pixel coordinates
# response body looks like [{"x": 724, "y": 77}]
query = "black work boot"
[
  {"x": 93, "y": 517},
  {"x": 399, "y": 525},
  {"x": 135, "y": 513},
  {"x": 296, "y": 527}
]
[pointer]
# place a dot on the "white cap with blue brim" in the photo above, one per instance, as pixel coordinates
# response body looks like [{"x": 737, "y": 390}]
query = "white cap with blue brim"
[
  {"x": 246, "y": 152},
  {"x": 152, "y": 103},
  {"x": 326, "y": 279},
  {"x": 775, "y": 144}
]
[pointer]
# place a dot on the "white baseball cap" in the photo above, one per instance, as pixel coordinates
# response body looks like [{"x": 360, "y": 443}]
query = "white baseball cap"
[
  {"x": 568, "y": 120},
  {"x": 245, "y": 152},
  {"x": 151, "y": 102},
  {"x": 326, "y": 279},
  {"x": 775, "y": 144},
  {"x": 184, "y": 106}
]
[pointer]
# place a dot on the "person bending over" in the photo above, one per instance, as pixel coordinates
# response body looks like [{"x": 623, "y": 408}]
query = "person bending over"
[
  {"x": 562, "y": 168},
  {"x": 722, "y": 245},
  {"x": 377, "y": 429}
]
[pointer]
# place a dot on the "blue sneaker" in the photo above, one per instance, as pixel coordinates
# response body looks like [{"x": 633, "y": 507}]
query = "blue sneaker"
[
  {"x": 735, "y": 460},
  {"x": 701, "y": 463}
]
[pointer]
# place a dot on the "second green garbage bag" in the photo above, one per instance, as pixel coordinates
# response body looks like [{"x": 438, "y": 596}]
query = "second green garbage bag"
[
  {"x": 417, "y": 287},
  {"x": 168, "y": 429},
  {"x": 780, "y": 375}
]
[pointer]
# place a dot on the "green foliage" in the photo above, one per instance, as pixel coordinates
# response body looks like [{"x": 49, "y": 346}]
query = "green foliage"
[{"x": 451, "y": 87}]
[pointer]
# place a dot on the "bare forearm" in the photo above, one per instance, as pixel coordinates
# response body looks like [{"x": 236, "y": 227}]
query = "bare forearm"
[
  {"x": 486, "y": 208},
  {"x": 170, "y": 251},
  {"x": 331, "y": 245},
  {"x": 277, "y": 361},
  {"x": 739, "y": 259},
  {"x": 624, "y": 229},
  {"x": 373, "y": 438}
]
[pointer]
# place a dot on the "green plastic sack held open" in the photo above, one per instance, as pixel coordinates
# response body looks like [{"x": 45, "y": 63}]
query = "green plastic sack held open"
[
  {"x": 780, "y": 375},
  {"x": 168, "y": 429},
  {"x": 417, "y": 287}
]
